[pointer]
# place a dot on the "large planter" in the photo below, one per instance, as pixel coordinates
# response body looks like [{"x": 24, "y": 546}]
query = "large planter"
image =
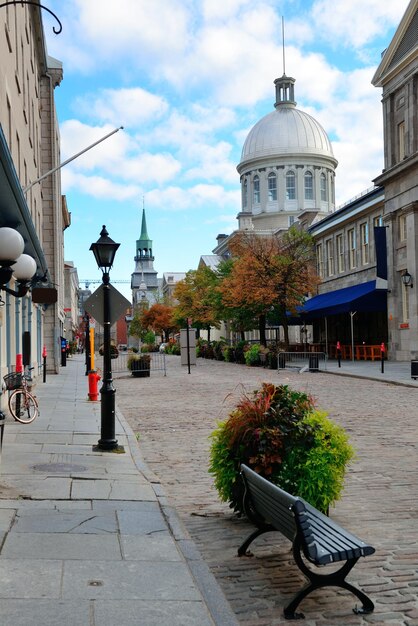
[
  {"x": 140, "y": 365},
  {"x": 140, "y": 373}
]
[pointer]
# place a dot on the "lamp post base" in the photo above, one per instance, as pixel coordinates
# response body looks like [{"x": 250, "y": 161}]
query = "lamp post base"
[{"x": 107, "y": 446}]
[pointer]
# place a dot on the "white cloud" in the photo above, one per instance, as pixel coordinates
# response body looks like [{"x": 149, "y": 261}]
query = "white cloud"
[
  {"x": 129, "y": 107},
  {"x": 196, "y": 197},
  {"x": 98, "y": 187},
  {"x": 119, "y": 157},
  {"x": 355, "y": 23}
]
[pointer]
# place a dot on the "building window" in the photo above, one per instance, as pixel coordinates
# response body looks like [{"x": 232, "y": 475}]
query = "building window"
[
  {"x": 378, "y": 220},
  {"x": 256, "y": 190},
  {"x": 308, "y": 179},
  {"x": 401, "y": 140},
  {"x": 330, "y": 257},
  {"x": 405, "y": 302},
  {"x": 402, "y": 228},
  {"x": 324, "y": 195},
  {"x": 290, "y": 186},
  {"x": 364, "y": 238},
  {"x": 340, "y": 254},
  {"x": 244, "y": 193},
  {"x": 319, "y": 261},
  {"x": 272, "y": 187},
  {"x": 352, "y": 248}
]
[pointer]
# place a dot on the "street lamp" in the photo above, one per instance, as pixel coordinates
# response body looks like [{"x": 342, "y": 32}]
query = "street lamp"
[
  {"x": 407, "y": 279},
  {"x": 13, "y": 263},
  {"x": 104, "y": 251}
]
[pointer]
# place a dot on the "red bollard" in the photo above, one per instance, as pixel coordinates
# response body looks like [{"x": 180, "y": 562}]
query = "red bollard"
[
  {"x": 339, "y": 353},
  {"x": 44, "y": 355},
  {"x": 19, "y": 363},
  {"x": 94, "y": 378}
]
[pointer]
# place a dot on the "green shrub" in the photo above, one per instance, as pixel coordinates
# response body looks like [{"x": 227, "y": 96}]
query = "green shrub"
[
  {"x": 252, "y": 355},
  {"x": 229, "y": 354},
  {"x": 175, "y": 349},
  {"x": 277, "y": 432},
  {"x": 218, "y": 349},
  {"x": 239, "y": 351},
  {"x": 149, "y": 337}
]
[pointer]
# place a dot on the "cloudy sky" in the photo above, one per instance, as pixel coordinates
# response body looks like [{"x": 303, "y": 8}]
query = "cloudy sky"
[{"x": 187, "y": 79}]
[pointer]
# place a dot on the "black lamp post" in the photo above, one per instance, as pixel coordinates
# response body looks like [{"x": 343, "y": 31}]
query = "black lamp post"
[{"x": 104, "y": 251}]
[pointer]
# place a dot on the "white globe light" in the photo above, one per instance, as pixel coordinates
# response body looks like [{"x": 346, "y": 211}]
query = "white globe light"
[
  {"x": 11, "y": 244},
  {"x": 24, "y": 268}
]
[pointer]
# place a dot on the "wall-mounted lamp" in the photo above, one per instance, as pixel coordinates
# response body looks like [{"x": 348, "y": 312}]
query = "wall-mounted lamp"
[
  {"x": 14, "y": 263},
  {"x": 407, "y": 279}
]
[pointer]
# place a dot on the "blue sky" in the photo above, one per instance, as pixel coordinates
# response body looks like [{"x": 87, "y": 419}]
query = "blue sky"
[{"x": 187, "y": 79}]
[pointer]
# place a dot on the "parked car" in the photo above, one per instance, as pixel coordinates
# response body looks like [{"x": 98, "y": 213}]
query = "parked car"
[
  {"x": 122, "y": 347},
  {"x": 162, "y": 347}
]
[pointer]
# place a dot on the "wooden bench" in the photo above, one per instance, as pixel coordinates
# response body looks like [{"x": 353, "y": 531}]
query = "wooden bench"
[{"x": 313, "y": 535}]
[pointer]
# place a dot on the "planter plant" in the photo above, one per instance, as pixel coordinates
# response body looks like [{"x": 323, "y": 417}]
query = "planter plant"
[
  {"x": 279, "y": 434},
  {"x": 139, "y": 365}
]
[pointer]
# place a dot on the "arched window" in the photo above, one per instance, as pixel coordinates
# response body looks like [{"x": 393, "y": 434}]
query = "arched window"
[
  {"x": 272, "y": 187},
  {"x": 309, "y": 195},
  {"x": 244, "y": 193},
  {"x": 290, "y": 186},
  {"x": 256, "y": 190},
  {"x": 324, "y": 194}
]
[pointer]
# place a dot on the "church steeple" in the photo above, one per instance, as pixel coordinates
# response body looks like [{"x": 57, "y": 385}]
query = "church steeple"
[
  {"x": 144, "y": 281},
  {"x": 144, "y": 243}
]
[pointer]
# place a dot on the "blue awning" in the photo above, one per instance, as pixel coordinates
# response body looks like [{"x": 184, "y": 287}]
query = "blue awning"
[{"x": 360, "y": 298}]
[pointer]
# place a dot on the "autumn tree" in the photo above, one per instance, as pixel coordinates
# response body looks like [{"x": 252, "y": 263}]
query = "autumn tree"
[
  {"x": 270, "y": 273},
  {"x": 198, "y": 299},
  {"x": 159, "y": 318}
]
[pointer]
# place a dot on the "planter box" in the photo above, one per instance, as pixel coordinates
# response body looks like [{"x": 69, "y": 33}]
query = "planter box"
[{"x": 141, "y": 373}]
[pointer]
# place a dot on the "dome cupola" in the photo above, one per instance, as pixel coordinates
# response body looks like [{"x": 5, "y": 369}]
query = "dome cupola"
[{"x": 287, "y": 165}]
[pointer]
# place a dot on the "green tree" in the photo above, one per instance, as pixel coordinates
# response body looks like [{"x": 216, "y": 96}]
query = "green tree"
[{"x": 198, "y": 299}]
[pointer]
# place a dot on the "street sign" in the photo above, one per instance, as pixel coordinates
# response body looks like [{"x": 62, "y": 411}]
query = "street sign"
[{"x": 118, "y": 304}]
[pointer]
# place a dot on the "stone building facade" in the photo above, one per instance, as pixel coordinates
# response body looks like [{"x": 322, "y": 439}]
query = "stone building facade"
[
  {"x": 29, "y": 148},
  {"x": 397, "y": 76}
]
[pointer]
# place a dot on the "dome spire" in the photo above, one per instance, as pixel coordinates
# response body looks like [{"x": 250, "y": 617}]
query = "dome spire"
[{"x": 285, "y": 92}]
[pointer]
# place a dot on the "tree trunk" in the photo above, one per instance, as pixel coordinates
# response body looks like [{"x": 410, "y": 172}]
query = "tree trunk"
[
  {"x": 286, "y": 334},
  {"x": 262, "y": 330}
]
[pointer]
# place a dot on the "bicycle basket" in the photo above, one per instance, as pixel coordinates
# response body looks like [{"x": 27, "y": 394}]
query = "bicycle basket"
[{"x": 13, "y": 380}]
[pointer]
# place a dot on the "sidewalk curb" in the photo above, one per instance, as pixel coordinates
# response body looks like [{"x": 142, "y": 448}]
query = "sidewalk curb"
[
  {"x": 374, "y": 378},
  {"x": 214, "y": 598}
]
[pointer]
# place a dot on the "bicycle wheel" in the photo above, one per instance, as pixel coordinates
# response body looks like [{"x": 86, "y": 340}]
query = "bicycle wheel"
[{"x": 23, "y": 406}]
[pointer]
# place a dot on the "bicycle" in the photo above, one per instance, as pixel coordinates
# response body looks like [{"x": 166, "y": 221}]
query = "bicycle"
[{"x": 23, "y": 405}]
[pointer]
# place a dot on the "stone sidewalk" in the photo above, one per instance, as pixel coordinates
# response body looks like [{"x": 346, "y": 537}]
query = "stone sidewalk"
[
  {"x": 174, "y": 416},
  {"x": 89, "y": 538}
]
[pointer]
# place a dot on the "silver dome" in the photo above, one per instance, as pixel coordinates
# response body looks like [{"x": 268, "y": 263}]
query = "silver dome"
[{"x": 283, "y": 131}]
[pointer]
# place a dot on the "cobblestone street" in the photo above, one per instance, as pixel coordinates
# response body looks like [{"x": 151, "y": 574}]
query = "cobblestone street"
[{"x": 174, "y": 416}]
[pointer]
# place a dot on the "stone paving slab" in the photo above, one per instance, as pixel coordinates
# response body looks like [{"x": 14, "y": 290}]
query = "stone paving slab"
[
  {"x": 149, "y": 613},
  {"x": 46, "y": 521},
  {"x": 30, "y": 578},
  {"x": 52, "y": 546},
  {"x": 23, "y": 612},
  {"x": 128, "y": 580}
]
